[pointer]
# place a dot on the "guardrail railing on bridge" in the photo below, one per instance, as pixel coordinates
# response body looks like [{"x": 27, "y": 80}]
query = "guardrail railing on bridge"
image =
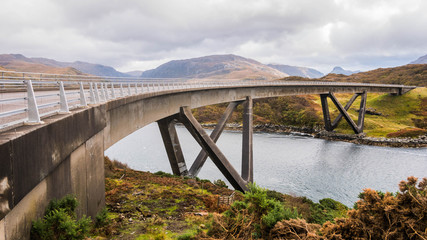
[{"x": 28, "y": 97}]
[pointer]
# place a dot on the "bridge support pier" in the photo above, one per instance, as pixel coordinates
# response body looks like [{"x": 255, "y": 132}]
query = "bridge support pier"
[
  {"x": 357, "y": 128},
  {"x": 208, "y": 144},
  {"x": 173, "y": 148}
]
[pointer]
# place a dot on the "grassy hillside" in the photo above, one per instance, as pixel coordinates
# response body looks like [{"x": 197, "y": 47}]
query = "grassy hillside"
[
  {"x": 398, "y": 113},
  {"x": 142, "y": 205},
  {"x": 413, "y": 75},
  {"x": 405, "y": 112}
]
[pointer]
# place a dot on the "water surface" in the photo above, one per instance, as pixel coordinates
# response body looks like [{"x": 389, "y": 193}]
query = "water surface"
[{"x": 302, "y": 166}]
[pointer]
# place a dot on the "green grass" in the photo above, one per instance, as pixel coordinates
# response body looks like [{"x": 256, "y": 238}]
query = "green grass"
[{"x": 397, "y": 112}]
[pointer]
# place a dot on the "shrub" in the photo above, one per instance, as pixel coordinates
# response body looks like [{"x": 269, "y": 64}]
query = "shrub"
[
  {"x": 385, "y": 216},
  {"x": 408, "y": 132},
  {"x": 60, "y": 222},
  {"x": 164, "y": 174},
  {"x": 220, "y": 183},
  {"x": 253, "y": 217},
  {"x": 102, "y": 219}
]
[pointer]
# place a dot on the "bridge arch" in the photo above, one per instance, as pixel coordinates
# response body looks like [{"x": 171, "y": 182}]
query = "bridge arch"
[{"x": 65, "y": 153}]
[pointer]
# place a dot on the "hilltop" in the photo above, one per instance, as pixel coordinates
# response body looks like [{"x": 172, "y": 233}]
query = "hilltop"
[
  {"x": 340, "y": 70},
  {"x": 215, "y": 66},
  {"x": 420, "y": 60}
]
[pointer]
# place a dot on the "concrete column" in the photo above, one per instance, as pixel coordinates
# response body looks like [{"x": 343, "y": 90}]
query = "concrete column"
[
  {"x": 173, "y": 148},
  {"x": 2, "y": 230},
  {"x": 247, "y": 141},
  {"x": 325, "y": 109},
  {"x": 362, "y": 109}
]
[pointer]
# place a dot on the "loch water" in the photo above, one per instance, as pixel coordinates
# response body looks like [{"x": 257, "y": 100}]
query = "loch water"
[{"x": 292, "y": 164}]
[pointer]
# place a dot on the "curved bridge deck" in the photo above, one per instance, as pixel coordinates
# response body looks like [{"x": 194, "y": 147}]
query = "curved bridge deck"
[{"x": 62, "y": 153}]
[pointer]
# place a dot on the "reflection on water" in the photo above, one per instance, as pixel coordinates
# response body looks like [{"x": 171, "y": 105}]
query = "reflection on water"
[{"x": 301, "y": 166}]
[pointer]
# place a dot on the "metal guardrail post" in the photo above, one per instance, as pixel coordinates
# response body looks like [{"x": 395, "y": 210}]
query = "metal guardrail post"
[
  {"x": 92, "y": 94},
  {"x": 63, "y": 104},
  {"x": 129, "y": 93},
  {"x": 83, "y": 102},
  {"x": 136, "y": 88},
  {"x": 33, "y": 111},
  {"x": 97, "y": 98},
  {"x": 107, "y": 97},
  {"x": 104, "y": 98},
  {"x": 113, "y": 94},
  {"x": 122, "y": 94}
]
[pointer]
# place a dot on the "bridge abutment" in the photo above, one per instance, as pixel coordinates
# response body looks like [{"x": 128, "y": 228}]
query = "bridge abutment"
[{"x": 49, "y": 161}]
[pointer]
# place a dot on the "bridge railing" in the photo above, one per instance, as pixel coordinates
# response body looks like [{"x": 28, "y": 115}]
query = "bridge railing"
[{"x": 26, "y": 97}]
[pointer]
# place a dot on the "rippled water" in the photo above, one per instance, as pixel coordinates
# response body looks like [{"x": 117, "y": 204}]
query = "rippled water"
[{"x": 297, "y": 165}]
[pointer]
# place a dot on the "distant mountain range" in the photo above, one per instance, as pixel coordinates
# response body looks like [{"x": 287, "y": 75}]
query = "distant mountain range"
[
  {"x": 134, "y": 73},
  {"x": 19, "y": 62},
  {"x": 215, "y": 66}
]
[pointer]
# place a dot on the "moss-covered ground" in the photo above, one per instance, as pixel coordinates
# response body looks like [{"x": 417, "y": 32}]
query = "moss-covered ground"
[{"x": 143, "y": 205}]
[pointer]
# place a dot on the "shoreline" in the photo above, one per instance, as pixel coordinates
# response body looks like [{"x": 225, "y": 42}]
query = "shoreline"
[{"x": 419, "y": 142}]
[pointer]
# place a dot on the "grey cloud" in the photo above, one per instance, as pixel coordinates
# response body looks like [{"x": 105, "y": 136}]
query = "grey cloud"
[{"x": 303, "y": 32}]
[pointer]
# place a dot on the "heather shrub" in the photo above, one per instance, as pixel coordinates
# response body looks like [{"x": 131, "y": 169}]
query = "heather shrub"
[
  {"x": 253, "y": 217},
  {"x": 385, "y": 215}
]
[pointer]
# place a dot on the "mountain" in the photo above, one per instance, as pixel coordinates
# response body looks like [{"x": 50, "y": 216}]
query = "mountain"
[
  {"x": 297, "y": 71},
  {"x": 19, "y": 62},
  {"x": 412, "y": 74},
  {"x": 215, "y": 66},
  {"x": 134, "y": 73},
  {"x": 340, "y": 70},
  {"x": 420, "y": 60}
]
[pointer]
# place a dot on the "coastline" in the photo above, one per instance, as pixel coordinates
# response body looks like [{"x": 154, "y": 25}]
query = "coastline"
[{"x": 419, "y": 142}]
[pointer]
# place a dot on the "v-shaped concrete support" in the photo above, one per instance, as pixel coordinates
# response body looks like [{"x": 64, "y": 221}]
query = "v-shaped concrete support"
[
  {"x": 201, "y": 158},
  {"x": 209, "y": 147},
  {"x": 357, "y": 128},
  {"x": 199, "y": 134}
]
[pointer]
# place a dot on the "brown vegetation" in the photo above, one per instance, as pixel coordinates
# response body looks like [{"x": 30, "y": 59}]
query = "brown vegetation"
[
  {"x": 385, "y": 216},
  {"x": 412, "y": 74},
  {"x": 408, "y": 132}
]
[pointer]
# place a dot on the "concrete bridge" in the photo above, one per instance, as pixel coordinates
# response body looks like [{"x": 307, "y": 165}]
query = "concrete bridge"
[{"x": 63, "y": 153}]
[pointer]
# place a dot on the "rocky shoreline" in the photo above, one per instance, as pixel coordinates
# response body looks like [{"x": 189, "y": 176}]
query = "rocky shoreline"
[{"x": 419, "y": 142}]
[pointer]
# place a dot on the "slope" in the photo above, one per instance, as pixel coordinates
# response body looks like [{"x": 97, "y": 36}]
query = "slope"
[{"x": 412, "y": 74}]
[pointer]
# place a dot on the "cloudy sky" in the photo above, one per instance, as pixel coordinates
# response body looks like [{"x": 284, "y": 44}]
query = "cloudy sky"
[{"x": 141, "y": 34}]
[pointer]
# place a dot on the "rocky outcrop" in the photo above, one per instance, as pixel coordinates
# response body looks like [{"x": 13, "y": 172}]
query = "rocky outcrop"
[{"x": 421, "y": 141}]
